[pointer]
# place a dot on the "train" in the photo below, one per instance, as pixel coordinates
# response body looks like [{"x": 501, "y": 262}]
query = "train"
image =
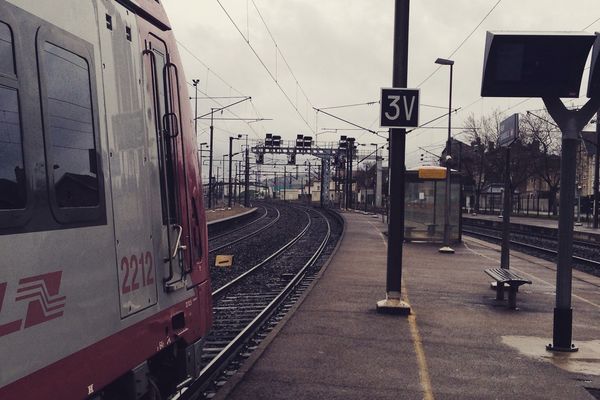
[{"x": 104, "y": 276}]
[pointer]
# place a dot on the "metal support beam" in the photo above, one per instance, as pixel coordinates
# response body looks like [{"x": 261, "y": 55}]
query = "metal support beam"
[
  {"x": 596, "y": 172},
  {"x": 505, "y": 249},
  {"x": 571, "y": 123},
  {"x": 393, "y": 302},
  {"x": 210, "y": 164},
  {"x": 247, "y": 181}
]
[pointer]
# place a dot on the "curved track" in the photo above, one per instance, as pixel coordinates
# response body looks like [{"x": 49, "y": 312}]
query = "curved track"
[
  {"x": 254, "y": 227},
  {"x": 245, "y": 305}
]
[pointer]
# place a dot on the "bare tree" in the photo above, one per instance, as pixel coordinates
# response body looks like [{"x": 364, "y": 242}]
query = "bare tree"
[
  {"x": 481, "y": 163},
  {"x": 545, "y": 141}
]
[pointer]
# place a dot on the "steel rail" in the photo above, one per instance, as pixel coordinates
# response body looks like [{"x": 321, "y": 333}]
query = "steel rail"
[
  {"x": 248, "y": 235},
  {"x": 212, "y": 369},
  {"x": 577, "y": 242},
  {"x": 241, "y": 227},
  {"x": 551, "y": 252},
  {"x": 220, "y": 290}
]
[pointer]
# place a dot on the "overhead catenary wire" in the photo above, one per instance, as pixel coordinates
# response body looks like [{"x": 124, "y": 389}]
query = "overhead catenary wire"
[
  {"x": 214, "y": 99},
  {"x": 463, "y": 42},
  {"x": 278, "y": 49},
  {"x": 269, "y": 72},
  {"x": 209, "y": 70}
]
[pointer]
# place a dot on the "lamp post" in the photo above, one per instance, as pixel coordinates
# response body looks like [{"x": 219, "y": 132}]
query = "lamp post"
[
  {"x": 446, "y": 245},
  {"x": 231, "y": 139},
  {"x": 210, "y": 160},
  {"x": 195, "y": 82}
]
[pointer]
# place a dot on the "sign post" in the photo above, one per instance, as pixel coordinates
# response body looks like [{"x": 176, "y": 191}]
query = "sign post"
[
  {"x": 509, "y": 131},
  {"x": 524, "y": 65},
  {"x": 396, "y": 107}
]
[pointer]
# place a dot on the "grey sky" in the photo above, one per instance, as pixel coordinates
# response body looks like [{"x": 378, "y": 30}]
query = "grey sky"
[{"x": 340, "y": 51}]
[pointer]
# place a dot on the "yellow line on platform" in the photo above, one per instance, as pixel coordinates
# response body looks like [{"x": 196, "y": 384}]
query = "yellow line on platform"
[
  {"x": 416, "y": 338},
  {"x": 420, "y": 351}
]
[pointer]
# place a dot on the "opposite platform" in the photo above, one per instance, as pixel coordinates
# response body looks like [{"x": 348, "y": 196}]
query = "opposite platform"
[{"x": 459, "y": 343}]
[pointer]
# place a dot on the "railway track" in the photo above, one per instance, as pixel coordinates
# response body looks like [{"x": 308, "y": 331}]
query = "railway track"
[
  {"x": 252, "y": 303},
  {"x": 543, "y": 247},
  {"x": 270, "y": 216}
]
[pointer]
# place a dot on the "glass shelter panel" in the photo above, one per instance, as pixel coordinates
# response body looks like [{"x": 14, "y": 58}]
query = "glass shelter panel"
[{"x": 425, "y": 206}]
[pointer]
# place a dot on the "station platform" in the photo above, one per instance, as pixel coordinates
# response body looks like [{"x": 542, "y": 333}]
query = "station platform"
[
  {"x": 217, "y": 215},
  {"x": 458, "y": 343}
]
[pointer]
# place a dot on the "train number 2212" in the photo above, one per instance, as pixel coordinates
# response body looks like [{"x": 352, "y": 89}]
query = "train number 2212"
[{"x": 137, "y": 271}]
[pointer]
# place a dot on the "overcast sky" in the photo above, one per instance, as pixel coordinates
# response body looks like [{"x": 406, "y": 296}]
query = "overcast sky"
[{"x": 340, "y": 53}]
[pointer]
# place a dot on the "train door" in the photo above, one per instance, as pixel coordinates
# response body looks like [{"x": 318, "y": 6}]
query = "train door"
[
  {"x": 171, "y": 186},
  {"x": 128, "y": 161}
]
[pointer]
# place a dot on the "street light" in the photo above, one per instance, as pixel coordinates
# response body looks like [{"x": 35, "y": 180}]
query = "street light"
[
  {"x": 195, "y": 82},
  {"x": 446, "y": 245}
]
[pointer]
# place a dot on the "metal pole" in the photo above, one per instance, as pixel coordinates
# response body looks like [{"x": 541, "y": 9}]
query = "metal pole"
[
  {"x": 309, "y": 183},
  {"x": 350, "y": 192},
  {"x": 346, "y": 201},
  {"x": 446, "y": 246},
  {"x": 247, "y": 183},
  {"x": 505, "y": 250},
  {"x": 397, "y": 145},
  {"x": 571, "y": 123},
  {"x": 196, "y": 81},
  {"x": 210, "y": 163},
  {"x": 596, "y": 171},
  {"x": 235, "y": 191},
  {"x": 563, "y": 314},
  {"x": 284, "y": 182},
  {"x": 461, "y": 197},
  {"x": 229, "y": 183},
  {"x": 366, "y": 171},
  {"x": 379, "y": 180}
]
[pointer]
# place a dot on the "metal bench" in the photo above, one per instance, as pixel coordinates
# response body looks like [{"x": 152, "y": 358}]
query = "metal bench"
[{"x": 504, "y": 276}]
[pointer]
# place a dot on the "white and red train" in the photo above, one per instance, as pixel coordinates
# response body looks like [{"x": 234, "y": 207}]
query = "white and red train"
[{"x": 104, "y": 281}]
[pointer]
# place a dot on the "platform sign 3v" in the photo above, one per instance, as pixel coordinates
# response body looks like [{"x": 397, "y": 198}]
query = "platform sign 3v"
[{"x": 399, "y": 108}]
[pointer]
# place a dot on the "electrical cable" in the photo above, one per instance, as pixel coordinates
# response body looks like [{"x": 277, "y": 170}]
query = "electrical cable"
[
  {"x": 265, "y": 67},
  {"x": 463, "y": 42}
]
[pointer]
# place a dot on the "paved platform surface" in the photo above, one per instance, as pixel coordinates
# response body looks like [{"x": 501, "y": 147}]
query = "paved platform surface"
[
  {"x": 545, "y": 222},
  {"x": 222, "y": 214},
  {"x": 458, "y": 343}
]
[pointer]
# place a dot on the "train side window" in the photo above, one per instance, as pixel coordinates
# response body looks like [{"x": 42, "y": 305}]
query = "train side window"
[
  {"x": 70, "y": 128},
  {"x": 7, "y": 59},
  {"x": 13, "y": 193},
  {"x": 12, "y": 171}
]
